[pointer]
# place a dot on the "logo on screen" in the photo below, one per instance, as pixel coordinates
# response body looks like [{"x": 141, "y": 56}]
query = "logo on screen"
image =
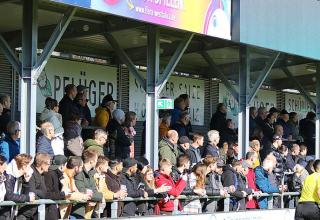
[{"x": 111, "y": 2}]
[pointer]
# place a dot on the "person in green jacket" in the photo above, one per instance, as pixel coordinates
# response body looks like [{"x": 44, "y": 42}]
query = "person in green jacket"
[
  {"x": 85, "y": 183},
  {"x": 96, "y": 144},
  {"x": 168, "y": 147}
]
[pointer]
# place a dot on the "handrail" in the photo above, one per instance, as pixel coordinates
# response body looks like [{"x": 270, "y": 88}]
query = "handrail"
[{"x": 114, "y": 203}]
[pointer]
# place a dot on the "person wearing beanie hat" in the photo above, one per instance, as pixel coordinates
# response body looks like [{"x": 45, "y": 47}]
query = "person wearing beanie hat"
[
  {"x": 184, "y": 145},
  {"x": 119, "y": 142},
  {"x": 103, "y": 112}
]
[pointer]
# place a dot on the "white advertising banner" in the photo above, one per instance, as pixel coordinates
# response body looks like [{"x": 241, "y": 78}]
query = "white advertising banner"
[
  {"x": 100, "y": 80},
  {"x": 264, "y": 98},
  {"x": 174, "y": 87},
  {"x": 297, "y": 103}
]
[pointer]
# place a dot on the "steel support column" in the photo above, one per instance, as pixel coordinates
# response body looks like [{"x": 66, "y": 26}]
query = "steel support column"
[
  {"x": 28, "y": 88},
  {"x": 10, "y": 55},
  {"x": 244, "y": 88},
  {"x": 152, "y": 118},
  {"x": 317, "y": 145}
]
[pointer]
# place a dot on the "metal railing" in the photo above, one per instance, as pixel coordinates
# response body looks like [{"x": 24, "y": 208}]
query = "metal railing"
[{"x": 114, "y": 203}]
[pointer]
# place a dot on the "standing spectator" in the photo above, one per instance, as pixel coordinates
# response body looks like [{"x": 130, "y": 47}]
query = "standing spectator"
[
  {"x": 129, "y": 123},
  {"x": 283, "y": 121},
  {"x": 184, "y": 146},
  {"x": 179, "y": 106},
  {"x": 104, "y": 111},
  {"x": 86, "y": 111},
  {"x": 134, "y": 191},
  {"x": 72, "y": 135},
  {"x": 275, "y": 112},
  {"x": 212, "y": 146},
  {"x": 81, "y": 102},
  {"x": 252, "y": 120},
  {"x": 268, "y": 130},
  {"x": 195, "y": 152},
  {"x": 74, "y": 167},
  {"x": 168, "y": 147},
  {"x": 165, "y": 121},
  {"x": 308, "y": 207},
  {"x": 262, "y": 115},
  {"x": 5, "y": 117},
  {"x": 295, "y": 152},
  {"x": 303, "y": 155},
  {"x": 218, "y": 120},
  {"x": 223, "y": 152},
  {"x": 254, "y": 146},
  {"x": 44, "y": 141},
  {"x": 293, "y": 125},
  {"x": 229, "y": 134},
  {"x": 181, "y": 126},
  {"x": 121, "y": 143},
  {"x": 287, "y": 161},
  {"x": 10, "y": 146},
  {"x": 86, "y": 184},
  {"x": 37, "y": 186},
  {"x": 66, "y": 105},
  {"x": 251, "y": 157},
  {"x": 298, "y": 178},
  {"x": 182, "y": 167},
  {"x": 18, "y": 172},
  {"x": 263, "y": 183},
  {"x": 97, "y": 144},
  {"x": 164, "y": 178},
  {"x": 53, "y": 185},
  {"x": 307, "y": 128},
  {"x": 3, "y": 166},
  {"x": 51, "y": 114}
]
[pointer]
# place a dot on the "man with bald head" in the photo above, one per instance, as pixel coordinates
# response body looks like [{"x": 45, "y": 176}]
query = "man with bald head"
[{"x": 168, "y": 147}]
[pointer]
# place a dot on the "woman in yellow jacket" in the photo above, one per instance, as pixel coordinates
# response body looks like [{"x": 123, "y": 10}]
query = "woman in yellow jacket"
[{"x": 103, "y": 112}]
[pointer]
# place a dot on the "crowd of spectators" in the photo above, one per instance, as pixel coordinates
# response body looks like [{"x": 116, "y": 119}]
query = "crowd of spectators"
[{"x": 93, "y": 171}]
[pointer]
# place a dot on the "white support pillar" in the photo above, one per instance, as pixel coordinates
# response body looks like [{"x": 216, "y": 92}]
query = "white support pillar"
[{"x": 317, "y": 144}]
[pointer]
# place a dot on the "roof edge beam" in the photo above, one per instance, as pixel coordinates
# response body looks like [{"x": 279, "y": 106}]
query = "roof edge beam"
[
  {"x": 263, "y": 75},
  {"x": 54, "y": 40},
  {"x": 125, "y": 59},
  {"x": 220, "y": 74},
  {"x": 183, "y": 45},
  {"x": 305, "y": 94},
  {"x": 10, "y": 55}
]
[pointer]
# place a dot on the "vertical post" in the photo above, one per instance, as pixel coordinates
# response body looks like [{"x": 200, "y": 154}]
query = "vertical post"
[
  {"x": 42, "y": 211},
  {"x": 244, "y": 89},
  {"x": 114, "y": 209},
  {"x": 175, "y": 206},
  {"x": 152, "y": 118},
  {"x": 226, "y": 204},
  {"x": 28, "y": 86},
  {"x": 270, "y": 202},
  {"x": 317, "y": 145}
]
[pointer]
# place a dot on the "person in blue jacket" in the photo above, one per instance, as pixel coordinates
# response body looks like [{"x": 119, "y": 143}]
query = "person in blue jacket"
[
  {"x": 10, "y": 144},
  {"x": 263, "y": 182}
]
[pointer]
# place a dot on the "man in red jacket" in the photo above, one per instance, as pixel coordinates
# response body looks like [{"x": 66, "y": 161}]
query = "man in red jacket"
[{"x": 164, "y": 178}]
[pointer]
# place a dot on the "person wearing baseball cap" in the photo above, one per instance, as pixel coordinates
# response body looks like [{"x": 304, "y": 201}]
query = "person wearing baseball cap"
[
  {"x": 184, "y": 145},
  {"x": 103, "y": 112}
]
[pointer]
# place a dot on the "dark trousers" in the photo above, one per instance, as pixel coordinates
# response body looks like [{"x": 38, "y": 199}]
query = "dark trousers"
[{"x": 307, "y": 211}]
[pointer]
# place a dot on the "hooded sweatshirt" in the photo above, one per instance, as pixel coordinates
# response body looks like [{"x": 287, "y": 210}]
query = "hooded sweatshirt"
[{"x": 54, "y": 118}]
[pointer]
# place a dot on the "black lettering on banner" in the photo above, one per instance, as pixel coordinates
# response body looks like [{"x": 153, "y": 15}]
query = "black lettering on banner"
[
  {"x": 109, "y": 88},
  {"x": 136, "y": 84},
  {"x": 194, "y": 89},
  {"x": 65, "y": 81},
  {"x": 92, "y": 93},
  {"x": 171, "y": 89},
  {"x": 198, "y": 89},
  {"x": 143, "y": 110},
  {"x": 57, "y": 85},
  {"x": 100, "y": 92}
]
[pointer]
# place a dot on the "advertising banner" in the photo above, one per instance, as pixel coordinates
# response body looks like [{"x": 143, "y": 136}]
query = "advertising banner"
[
  {"x": 174, "y": 87},
  {"x": 209, "y": 17},
  {"x": 297, "y": 103},
  {"x": 100, "y": 80}
]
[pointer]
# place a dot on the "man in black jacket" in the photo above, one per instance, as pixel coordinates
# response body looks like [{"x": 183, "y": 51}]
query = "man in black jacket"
[
  {"x": 218, "y": 120},
  {"x": 52, "y": 180},
  {"x": 66, "y": 105},
  {"x": 5, "y": 117},
  {"x": 134, "y": 190}
]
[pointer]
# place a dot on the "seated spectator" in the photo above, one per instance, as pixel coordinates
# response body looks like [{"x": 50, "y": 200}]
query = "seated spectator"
[
  {"x": 233, "y": 176},
  {"x": 97, "y": 144},
  {"x": 18, "y": 172},
  {"x": 182, "y": 167},
  {"x": 81, "y": 102},
  {"x": 303, "y": 155},
  {"x": 254, "y": 146},
  {"x": 168, "y": 147},
  {"x": 213, "y": 184},
  {"x": 86, "y": 184},
  {"x": 81, "y": 89},
  {"x": 212, "y": 146},
  {"x": 298, "y": 178},
  {"x": 181, "y": 126},
  {"x": 232, "y": 153},
  {"x": 72, "y": 135},
  {"x": 3, "y": 166},
  {"x": 129, "y": 123},
  {"x": 164, "y": 126},
  {"x": 263, "y": 183},
  {"x": 5, "y": 117},
  {"x": 164, "y": 178},
  {"x": 103, "y": 112},
  {"x": 121, "y": 142},
  {"x": 53, "y": 184},
  {"x": 114, "y": 184},
  {"x": 50, "y": 114},
  {"x": 37, "y": 186},
  {"x": 44, "y": 141},
  {"x": 128, "y": 179},
  {"x": 74, "y": 167},
  {"x": 184, "y": 146},
  {"x": 10, "y": 146},
  {"x": 195, "y": 152},
  {"x": 67, "y": 105}
]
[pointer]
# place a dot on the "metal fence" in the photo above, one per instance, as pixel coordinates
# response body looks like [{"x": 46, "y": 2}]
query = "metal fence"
[{"x": 114, "y": 203}]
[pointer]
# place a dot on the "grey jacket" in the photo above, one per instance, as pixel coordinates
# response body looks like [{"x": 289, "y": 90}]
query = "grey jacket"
[{"x": 54, "y": 118}]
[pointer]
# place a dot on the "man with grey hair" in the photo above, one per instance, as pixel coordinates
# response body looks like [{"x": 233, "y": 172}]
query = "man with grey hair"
[
  {"x": 212, "y": 146},
  {"x": 10, "y": 146},
  {"x": 44, "y": 141},
  {"x": 96, "y": 144},
  {"x": 5, "y": 117}
]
